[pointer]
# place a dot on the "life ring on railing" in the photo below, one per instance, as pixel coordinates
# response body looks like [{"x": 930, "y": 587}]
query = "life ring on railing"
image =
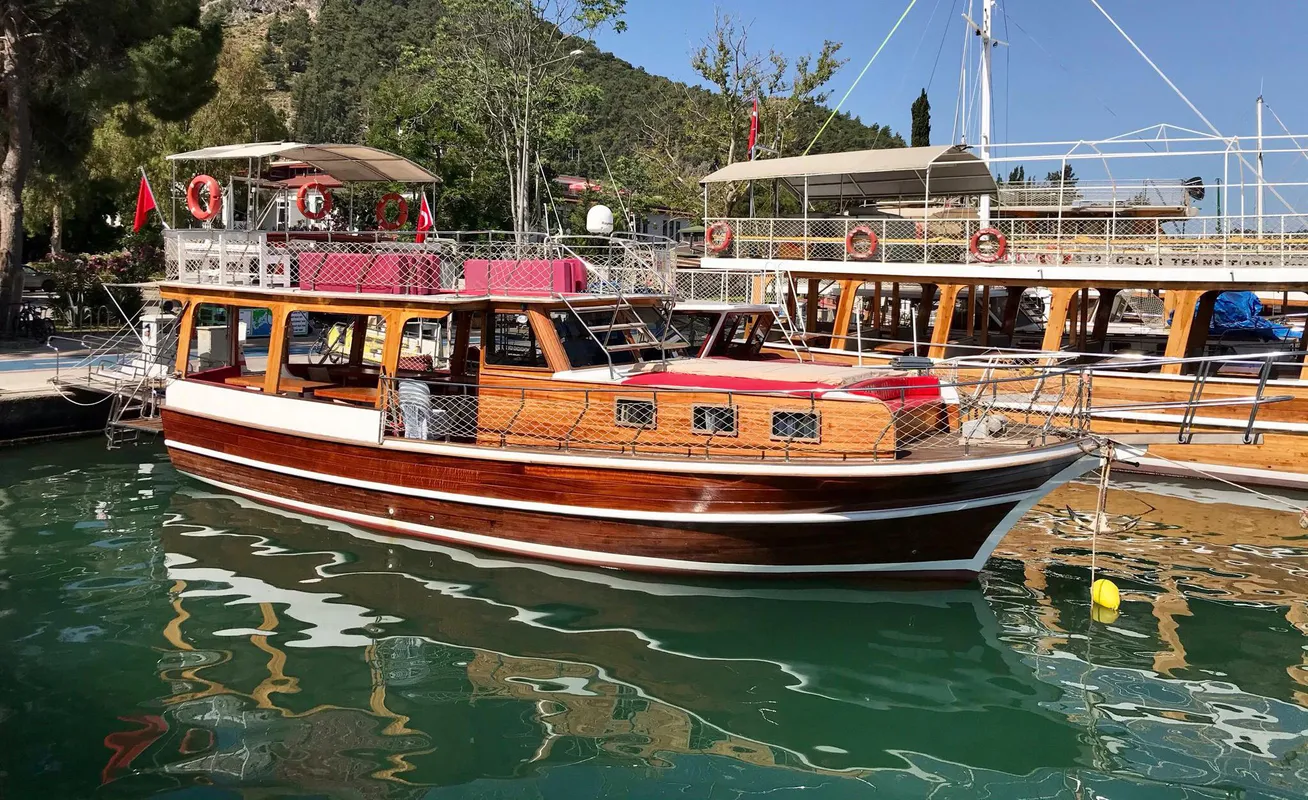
[
  {"x": 868, "y": 235},
  {"x": 718, "y": 237},
  {"x": 400, "y": 219},
  {"x": 301, "y": 201},
  {"x": 988, "y": 234},
  {"x": 196, "y": 206}
]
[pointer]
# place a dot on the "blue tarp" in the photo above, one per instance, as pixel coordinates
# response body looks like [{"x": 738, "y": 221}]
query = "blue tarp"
[{"x": 1241, "y": 312}]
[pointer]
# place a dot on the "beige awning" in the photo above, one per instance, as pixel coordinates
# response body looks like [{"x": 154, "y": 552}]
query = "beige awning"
[
  {"x": 348, "y": 163},
  {"x": 943, "y": 170}
]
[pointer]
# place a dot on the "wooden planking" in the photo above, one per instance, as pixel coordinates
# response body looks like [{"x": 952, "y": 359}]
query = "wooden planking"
[
  {"x": 934, "y": 537},
  {"x": 559, "y": 415},
  {"x": 597, "y": 487}
]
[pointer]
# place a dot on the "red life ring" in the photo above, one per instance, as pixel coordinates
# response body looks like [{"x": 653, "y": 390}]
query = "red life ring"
[
  {"x": 402, "y": 218},
  {"x": 718, "y": 237},
  {"x": 1001, "y": 245},
  {"x": 302, "y": 197},
  {"x": 854, "y": 252},
  {"x": 197, "y": 208}
]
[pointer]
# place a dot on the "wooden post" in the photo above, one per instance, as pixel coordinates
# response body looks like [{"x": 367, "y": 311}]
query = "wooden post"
[
  {"x": 391, "y": 346},
  {"x": 811, "y": 308},
  {"x": 1102, "y": 315},
  {"x": 792, "y": 307},
  {"x": 1085, "y": 319},
  {"x": 923, "y": 320},
  {"x": 358, "y": 336},
  {"x": 1184, "y": 303},
  {"x": 1012, "y": 305},
  {"x": 276, "y": 350},
  {"x": 844, "y": 310},
  {"x": 971, "y": 310},
  {"x": 1058, "y": 303},
  {"x": 944, "y": 318},
  {"x": 462, "y": 336},
  {"x": 894, "y": 310},
  {"x": 876, "y": 309},
  {"x": 984, "y": 314},
  {"x": 184, "y": 334}
]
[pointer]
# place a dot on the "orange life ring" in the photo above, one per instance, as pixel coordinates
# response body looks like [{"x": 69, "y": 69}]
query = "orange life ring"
[
  {"x": 718, "y": 237},
  {"x": 1001, "y": 245},
  {"x": 852, "y": 251},
  {"x": 402, "y": 218},
  {"x": 301, "y": 201},
  {"x": 198, "y": 209}
]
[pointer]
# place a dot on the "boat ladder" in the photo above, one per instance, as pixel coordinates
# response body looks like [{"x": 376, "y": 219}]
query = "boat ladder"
[
  {"x": 618, "y": 327},
  {"x": 133, "y": 413}
]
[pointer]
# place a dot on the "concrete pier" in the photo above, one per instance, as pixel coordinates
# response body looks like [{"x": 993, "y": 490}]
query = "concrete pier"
[{"x": 33, "y": 410}]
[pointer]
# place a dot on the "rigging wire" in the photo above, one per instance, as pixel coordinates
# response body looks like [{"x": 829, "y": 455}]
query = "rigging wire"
[
  {"x": 866, "y": 66},
  {"x": 959, "y": 132},
  {"x": 1294, "y": 139},
  {"x": 944, "y": 34},
  {"x": 1238, "y": 154}
]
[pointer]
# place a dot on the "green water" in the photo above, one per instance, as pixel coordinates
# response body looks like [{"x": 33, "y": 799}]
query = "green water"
[{"x": 158, "y": 639}]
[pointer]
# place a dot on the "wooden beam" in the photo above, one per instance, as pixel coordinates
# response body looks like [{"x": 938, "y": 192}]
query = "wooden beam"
[
  {"x": 1183, "y": 305},
  {"x": 923, "y": 321},
  {"x": 811, "y": 307},
  {"x": 876, "y": 309},
  {"x": 984, "y": 314},
  {"x": 944, "y": 318},
  {"x": 184, "y": 335},
  {"x": 276, "y": 349},
  {"x": 391, "y": 346},
  {"x": 1103, "y": 314},
  {"x": 358, "y": 336},
  {"x": 844, "y": 310},
  {"x": 1012, "y": 305},
  {"x": 894, "y": 311},
  {"x": 1058, "y": 304},
  {"x": 462, "y": 337},
  {"x": 550, "y": 345}
]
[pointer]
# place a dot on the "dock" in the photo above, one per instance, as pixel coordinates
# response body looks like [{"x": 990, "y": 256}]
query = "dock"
[{"x": 32, "y": 409}]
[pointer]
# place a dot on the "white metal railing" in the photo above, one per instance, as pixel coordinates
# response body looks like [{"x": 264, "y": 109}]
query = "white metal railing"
[
  {"x": 1281, "y": 241},
  {"x": 477, "y": 263}
]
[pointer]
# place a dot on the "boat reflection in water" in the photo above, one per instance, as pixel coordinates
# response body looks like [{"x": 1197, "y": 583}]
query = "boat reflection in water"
[{"x": 390, "y": 668}]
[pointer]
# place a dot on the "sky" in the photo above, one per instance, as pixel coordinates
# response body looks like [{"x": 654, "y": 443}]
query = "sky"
[{"x": 1066, "y": 73}]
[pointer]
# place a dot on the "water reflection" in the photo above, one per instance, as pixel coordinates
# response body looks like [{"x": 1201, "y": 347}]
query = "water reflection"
[{"x": 166, "y": 639}]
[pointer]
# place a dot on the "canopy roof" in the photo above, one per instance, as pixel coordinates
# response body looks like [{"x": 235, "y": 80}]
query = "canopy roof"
[
  {"x": 349, "y": 163},
  {"x": 871, "y": 174}
]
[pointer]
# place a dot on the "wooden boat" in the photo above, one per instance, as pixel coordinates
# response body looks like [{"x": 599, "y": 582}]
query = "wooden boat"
[
  {"x": 891, "y": 256},
  {"x": 568, "y": 424}
]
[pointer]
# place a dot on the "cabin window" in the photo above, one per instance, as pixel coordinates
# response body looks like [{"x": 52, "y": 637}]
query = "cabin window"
[
  {"x": 581, "y": 346},
  {"x": 715, "y": 420},
  {"x": 513, "y": 343},
  {"x": 742, "y": 335},
  {"x": 629, "y": 413},
  {"x": 796, "y": 426}
]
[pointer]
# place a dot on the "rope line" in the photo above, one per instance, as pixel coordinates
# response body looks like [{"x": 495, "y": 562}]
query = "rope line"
[{"x": 866, "y": 66}]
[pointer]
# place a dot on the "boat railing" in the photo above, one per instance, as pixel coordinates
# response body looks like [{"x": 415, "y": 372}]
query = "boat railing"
[
  {"x": 935, "y": 414},
  {"x": 1279, "y": 241},
  {"x": 477, "y": 263}
]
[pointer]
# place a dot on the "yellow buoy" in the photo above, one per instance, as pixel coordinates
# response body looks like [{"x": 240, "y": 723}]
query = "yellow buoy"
[{"x": 1104, "y": 593}]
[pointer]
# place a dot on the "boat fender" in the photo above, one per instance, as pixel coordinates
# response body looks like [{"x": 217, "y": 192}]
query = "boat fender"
[
  {"x": 1104, "y": 593},
  {"x": 400, "y": 218},
  {"x": 194, "y": 203},
  {"x": 301, "y": 201},
  {"x": 988, "y": 235},
  {"x": 861, "y": 234},
  {"x": 718, "y": 237}
]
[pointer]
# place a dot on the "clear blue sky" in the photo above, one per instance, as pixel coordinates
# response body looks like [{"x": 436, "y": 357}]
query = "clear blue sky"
[{"x": 1067, "y": 73}]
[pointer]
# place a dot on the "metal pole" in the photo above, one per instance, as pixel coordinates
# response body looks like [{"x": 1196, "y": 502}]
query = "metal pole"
[
  {"x": 987, "y": 11},
  {"x": 1259, "y": 108}
]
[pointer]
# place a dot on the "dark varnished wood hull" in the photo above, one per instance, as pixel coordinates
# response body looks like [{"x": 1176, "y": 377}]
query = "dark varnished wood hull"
[{"x": 915, "y": 526}]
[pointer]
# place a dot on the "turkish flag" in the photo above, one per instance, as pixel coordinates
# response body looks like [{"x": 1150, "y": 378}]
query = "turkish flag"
[
  {"x": 425, "y": 221},
  {"x": 753, "y": 129},
  {"x": 144, "y": 204}
]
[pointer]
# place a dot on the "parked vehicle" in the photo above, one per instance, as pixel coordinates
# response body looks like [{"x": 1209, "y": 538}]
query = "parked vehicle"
[{"x": 37, "y": 281}]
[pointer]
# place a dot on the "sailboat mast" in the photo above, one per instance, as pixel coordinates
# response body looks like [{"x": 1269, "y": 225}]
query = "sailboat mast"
[
  {"x": 987, "y": 11},
  {"x": 1259, "y": 108}
]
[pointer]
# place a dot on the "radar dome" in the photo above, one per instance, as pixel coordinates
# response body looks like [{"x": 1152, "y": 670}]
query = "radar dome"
[{"x": 599, "y": 220}]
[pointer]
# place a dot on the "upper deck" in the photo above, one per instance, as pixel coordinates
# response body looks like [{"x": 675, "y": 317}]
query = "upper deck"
[
  {"x": 1100, "y": 208},
  {"x": 413, "y": 266}
]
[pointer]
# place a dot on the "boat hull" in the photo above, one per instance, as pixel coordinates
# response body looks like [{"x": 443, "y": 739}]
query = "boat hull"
[{"x": 921, "y": 522}]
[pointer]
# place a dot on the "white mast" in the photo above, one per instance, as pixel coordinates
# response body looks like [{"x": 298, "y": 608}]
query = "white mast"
[
  {"x": 1259, "y": 107},
  {"x": 987, "y": 11}
]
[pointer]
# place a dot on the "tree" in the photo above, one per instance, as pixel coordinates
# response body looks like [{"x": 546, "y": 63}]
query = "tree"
[
  {"x": 922, "y": 121},
  {"x": 1017, "y": 175},
  {"x": 1067, "y": 176},
  {"x": 512, "y": 65},
  {"x": 695, "y": 131},
  {"x": 63, "y": 63}
]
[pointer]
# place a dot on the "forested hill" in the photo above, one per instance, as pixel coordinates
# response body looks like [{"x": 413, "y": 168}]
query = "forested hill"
[{"x": 346, "y": 64}]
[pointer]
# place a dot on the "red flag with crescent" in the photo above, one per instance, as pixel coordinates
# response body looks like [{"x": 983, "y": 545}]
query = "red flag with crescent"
[
  {"x": 753, "y": 129},
  {"x": 425, "y": 220}
]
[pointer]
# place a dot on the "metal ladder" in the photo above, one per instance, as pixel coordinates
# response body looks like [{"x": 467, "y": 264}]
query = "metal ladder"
[
  {"x": 133, "y": 413},
  {"x": 792, "y": 329}
]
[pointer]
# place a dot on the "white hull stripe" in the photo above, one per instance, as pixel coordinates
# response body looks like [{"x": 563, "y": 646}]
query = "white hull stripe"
[
  {"x": 1298, "y": 479},
  {"x": 590, "y": 556},
  {"x": 703, "y": 518}
]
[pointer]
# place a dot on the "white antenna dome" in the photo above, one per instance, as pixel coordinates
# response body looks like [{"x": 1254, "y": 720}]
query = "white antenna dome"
[{"x": 599, "y": 220}]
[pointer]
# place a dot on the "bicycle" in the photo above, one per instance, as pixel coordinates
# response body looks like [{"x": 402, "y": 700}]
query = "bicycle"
[
  {"x": 331, "y": 345},
  {"x": 33, "y": 322}
]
